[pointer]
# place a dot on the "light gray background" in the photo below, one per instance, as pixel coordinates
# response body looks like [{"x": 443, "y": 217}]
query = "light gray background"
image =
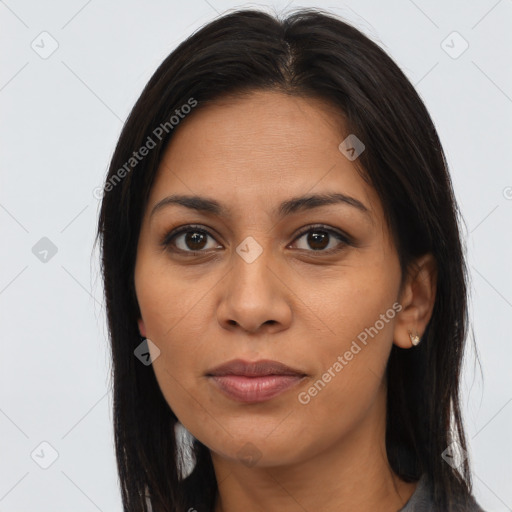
[{"x": 61, "y": 117}]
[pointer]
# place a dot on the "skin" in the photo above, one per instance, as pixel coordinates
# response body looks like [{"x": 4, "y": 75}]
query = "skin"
[{"x": 292, "y": 304}]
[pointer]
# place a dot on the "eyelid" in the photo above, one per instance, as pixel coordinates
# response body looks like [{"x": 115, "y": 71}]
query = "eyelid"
[
  {"x": 343, "y": 237},
  {"x": 185, "y": 229}
]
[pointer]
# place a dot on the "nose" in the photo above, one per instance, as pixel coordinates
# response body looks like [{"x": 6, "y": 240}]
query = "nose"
[{"x": 255, "y": 295}]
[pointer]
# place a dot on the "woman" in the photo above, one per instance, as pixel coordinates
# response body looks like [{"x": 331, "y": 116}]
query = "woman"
[{"x": 284, "y": 278}]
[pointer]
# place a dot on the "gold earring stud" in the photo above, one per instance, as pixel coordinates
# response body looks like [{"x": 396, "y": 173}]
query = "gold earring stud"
[{"x": 415, "y": 339}]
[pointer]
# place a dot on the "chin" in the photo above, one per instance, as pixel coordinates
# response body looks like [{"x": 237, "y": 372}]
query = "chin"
[{"x": 255, "y": 451}]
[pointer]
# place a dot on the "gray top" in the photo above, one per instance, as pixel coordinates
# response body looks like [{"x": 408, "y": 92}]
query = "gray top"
[{"x": 422, "y": 501}]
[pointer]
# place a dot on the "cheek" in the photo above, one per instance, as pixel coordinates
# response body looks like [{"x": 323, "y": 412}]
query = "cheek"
[
  {"x": 353, "y": 300},
  {"x": 358, "y": 324},
  {"x": 168, "y": 301},
  {"x": 176, "y": 312},
  {"x": 175, "y": 321},
  {"x": 173, "y": 312}
]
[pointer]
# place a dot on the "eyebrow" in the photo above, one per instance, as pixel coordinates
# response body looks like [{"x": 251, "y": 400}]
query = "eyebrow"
[{"x": 288, "y": 207}]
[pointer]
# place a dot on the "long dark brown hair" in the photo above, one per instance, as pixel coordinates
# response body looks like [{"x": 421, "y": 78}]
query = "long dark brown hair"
[{"x": 313, "y": 54}]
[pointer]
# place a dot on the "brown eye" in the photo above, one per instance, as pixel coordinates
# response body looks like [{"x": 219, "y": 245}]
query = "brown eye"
[
  {"x": 195, "y": 240},
  {"x": 322, "y": 239},
  {"x": 189, "y": 239},
  {"x": 318, "y": 240}
]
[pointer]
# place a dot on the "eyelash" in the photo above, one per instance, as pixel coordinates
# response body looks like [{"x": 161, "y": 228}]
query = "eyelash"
[{"x": 343, "y": 238}]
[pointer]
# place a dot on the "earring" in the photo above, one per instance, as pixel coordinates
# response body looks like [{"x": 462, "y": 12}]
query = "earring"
[{"x": 415, "y": 339}]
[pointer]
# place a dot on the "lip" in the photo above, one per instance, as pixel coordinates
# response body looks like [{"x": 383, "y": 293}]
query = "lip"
[
  {"x": 254, "y": 389},
  {"x": 253, "y": 368},
  {"x": 253, "y": 382}
]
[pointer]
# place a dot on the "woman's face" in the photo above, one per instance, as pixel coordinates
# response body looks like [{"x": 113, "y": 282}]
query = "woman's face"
[{"x": 313, "y": 286}]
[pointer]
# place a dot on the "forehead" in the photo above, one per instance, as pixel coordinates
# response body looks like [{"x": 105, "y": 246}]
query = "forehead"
[
  {"x": 261, "y": 124},
  {"x": 263, "y": 147}
]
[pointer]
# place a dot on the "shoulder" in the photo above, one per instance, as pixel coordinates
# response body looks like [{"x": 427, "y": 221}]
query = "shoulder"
[{"x": 422, "y": 499}]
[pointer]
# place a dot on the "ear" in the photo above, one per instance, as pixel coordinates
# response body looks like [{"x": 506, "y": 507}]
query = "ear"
[
  {"x": 417, "y": 299},
  {"x": 142, "y": 328}
]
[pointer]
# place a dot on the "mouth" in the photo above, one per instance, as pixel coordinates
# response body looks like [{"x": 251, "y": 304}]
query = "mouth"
[{"x": 253, "y": 382}]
